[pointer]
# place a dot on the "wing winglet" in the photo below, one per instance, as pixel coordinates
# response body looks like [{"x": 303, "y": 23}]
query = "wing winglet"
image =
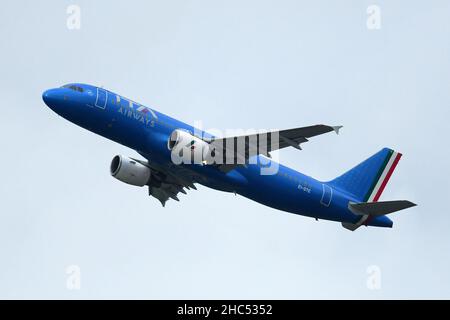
[{"x": 336, "y": 128}]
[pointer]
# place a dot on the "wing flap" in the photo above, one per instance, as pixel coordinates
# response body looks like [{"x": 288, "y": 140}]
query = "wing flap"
[{"x": 167, "y": 182}]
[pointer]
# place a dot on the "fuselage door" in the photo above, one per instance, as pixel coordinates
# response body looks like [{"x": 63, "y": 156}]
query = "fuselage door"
[
  {"x": 327, "y": 194},
  {"x": 102, "y": 96}
]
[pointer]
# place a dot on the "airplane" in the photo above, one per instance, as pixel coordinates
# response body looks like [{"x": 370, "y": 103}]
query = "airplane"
[{"x": 177, "y": 156}]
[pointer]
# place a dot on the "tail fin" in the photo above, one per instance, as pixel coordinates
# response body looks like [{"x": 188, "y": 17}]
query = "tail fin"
[{"x": 367, "y": 180}]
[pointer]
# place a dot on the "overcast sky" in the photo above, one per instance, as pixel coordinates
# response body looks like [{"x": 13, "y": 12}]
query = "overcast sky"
[{"x": 229, "y": 64}]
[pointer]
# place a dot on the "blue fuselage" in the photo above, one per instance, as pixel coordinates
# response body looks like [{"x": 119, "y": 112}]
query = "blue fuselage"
[{"x": 147, "y": 131}]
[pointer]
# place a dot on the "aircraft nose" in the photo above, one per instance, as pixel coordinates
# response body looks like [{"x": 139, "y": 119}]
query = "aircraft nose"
[{"x": 50, "y": 97}]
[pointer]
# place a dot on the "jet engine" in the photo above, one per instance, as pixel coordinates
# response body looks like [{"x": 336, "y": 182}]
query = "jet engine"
[
  {"x": 130, "y": 171},
  {"x": 187, "y": 148}
]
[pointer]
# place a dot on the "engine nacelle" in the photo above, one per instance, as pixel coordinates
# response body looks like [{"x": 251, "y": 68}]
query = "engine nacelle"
[
  {"x": 187, "y": 148},
  {"x": 130, "y": 171}
]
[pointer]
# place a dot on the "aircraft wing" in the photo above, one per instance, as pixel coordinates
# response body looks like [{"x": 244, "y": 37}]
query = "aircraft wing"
[
  {"x": 165, "y": 192},
  {"x": 263, "y": 143},
  {"x": 166, "y": 183}
]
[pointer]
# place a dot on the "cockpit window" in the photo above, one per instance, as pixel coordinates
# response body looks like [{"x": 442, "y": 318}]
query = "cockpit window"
[{"x": 73, "y": 87}]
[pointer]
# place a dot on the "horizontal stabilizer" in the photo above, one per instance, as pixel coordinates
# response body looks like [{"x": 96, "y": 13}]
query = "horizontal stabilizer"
[{"x": 380, "y": 208}]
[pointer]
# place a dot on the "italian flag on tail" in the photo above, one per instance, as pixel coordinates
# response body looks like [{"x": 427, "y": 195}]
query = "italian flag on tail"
[
  {"x": 383, "y": 176},
  {"x": 380, "y": 182}
]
